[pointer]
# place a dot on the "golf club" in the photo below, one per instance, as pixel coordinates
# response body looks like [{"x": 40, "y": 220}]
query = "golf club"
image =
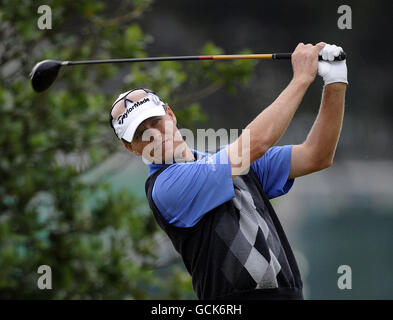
[{"x": 45, "y": 72}]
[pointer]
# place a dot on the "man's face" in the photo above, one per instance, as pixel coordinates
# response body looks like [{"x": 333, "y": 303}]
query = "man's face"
[{"x": 156, "y": 138}]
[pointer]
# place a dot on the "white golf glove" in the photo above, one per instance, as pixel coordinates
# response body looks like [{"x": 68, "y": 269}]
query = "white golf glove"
[{"x": 332, "y": 71}]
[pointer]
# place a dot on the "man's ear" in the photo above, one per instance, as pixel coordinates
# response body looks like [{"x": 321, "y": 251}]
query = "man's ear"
[
  {"x": 128, "y": 146},
  {"x": 171, "y": 114}
]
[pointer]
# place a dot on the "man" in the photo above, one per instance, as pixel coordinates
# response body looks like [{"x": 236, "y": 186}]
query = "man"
[{"x": 215, "y": 207}]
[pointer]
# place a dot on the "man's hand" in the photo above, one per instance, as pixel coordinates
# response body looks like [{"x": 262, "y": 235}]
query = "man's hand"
[
  {"x": 305, "y": 61},
  {"x": 332, "y": 71}
]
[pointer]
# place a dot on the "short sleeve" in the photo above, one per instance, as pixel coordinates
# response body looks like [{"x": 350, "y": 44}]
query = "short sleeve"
[
  {"x": 273, "y": 169},
  {"x": 184, "y": 192}
]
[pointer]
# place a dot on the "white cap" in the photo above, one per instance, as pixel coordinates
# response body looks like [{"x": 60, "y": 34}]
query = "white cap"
[{"x": 135, "y": 113}]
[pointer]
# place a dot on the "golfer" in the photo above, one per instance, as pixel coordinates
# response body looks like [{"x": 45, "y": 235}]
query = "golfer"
[{"x": 215, "y": 207}]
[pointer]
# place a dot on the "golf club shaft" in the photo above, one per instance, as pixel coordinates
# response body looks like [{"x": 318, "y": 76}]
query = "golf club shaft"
[{"x": 271, "y": 56}]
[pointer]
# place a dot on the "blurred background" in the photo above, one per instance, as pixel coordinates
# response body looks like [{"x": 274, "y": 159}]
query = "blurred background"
[{"x": 73, "y": 199}]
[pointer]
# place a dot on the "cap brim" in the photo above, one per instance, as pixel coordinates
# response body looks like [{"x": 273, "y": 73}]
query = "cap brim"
[{"x": 148, "y": 113}]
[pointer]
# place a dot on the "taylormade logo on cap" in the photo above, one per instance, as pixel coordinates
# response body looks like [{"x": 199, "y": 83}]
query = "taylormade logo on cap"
[
  {"x": 135, "y": 113},
  {"x": 120, "y": 120}
]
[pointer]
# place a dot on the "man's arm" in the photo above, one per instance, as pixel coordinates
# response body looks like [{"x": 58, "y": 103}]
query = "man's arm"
[
  {"x": 271, "y": 123},
  {"x": 317, "y": 152}
]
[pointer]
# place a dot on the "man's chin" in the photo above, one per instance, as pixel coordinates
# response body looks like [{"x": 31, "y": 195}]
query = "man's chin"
[{"x": 163, "y": 154}]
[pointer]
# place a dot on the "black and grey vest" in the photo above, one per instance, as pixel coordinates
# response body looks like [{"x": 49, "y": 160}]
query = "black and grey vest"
[{"x": 239, "y": 249}]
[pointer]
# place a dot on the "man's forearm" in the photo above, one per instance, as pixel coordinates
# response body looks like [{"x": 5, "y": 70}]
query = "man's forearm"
[
  {"x": 271, "y": 123},
  {"x": 325, "y": 132}
]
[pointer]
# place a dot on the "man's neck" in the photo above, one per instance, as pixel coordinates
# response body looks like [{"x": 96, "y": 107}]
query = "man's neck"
[{"x": 185, "y": 154}]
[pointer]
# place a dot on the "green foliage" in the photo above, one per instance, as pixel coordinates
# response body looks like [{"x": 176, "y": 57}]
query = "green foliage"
[
  {"x": 221, "y": 73},
  {"x": 191, "y": 116},
  {"x": 104, "y": 249}
]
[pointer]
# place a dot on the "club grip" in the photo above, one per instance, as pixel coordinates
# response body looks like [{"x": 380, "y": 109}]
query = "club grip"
[
  {"x": 342, "y": 56},
  {"x": 286, "y": 56}
]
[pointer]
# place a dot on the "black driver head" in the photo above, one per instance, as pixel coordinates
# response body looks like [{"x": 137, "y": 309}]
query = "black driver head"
[{"x": 44, "y": 74}]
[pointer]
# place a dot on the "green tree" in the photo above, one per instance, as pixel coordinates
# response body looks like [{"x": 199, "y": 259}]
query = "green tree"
[{"x": 105, "y": 248}]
